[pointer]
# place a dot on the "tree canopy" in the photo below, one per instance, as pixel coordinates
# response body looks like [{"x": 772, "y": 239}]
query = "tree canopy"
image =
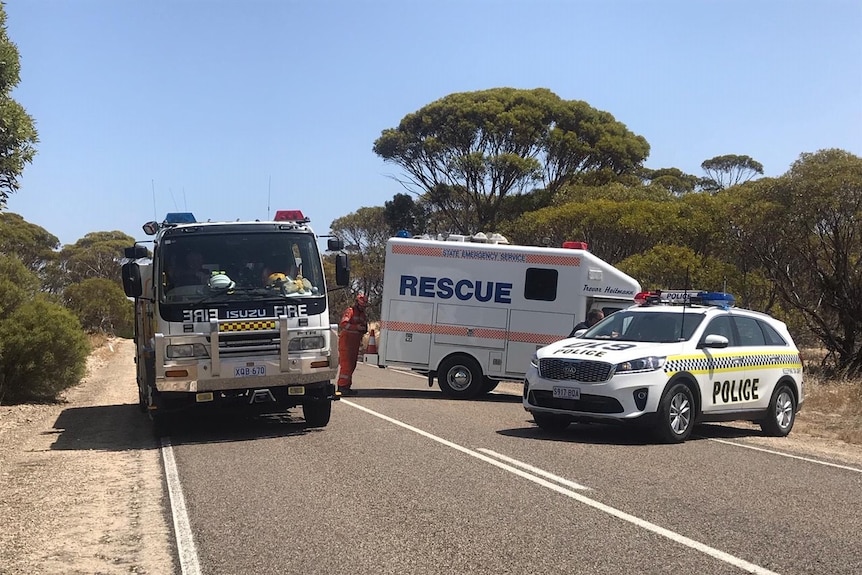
[
  {"x": 18, "y": 135},
  {"x": 465, "y": 153}
]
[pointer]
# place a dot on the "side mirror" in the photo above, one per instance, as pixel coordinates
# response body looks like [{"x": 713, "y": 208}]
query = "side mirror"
[
  {"x": 132, "y": 280},
  {"x": 334, "y": 245},
  {"x": 715, "y": 340},
  {"x": 136, "y": 252},
  {"x": 342, "y": 270}
]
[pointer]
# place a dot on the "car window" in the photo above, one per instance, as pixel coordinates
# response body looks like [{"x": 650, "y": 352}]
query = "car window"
[
  {"x": 655, "y": 327},
  {"x": 771, "y": 336},
  {"x": 749, "y": 331},
  {"x": 720, "y": 325}
]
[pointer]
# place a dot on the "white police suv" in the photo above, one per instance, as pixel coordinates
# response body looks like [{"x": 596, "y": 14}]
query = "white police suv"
[{"x": 672, "y": 366}]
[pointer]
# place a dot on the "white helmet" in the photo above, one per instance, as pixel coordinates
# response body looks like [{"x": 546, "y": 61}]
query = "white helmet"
[{"x": 221, "y": 281}]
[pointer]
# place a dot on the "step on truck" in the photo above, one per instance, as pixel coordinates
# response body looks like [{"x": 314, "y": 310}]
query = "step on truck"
[
  {"x": 471, "y": 311},
  {"x": 233, "y": 315}
]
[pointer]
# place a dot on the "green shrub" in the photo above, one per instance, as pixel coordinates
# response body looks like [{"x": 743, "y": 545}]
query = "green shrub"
[{"x": 43, "y": 351}]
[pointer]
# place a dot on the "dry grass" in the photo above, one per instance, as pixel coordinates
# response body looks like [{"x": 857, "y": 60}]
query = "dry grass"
[{"x": 833, "y": 407}]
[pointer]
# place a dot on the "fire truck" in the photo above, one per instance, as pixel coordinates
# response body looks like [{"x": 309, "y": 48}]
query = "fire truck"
[
  {"x": 233, "y": 315},
  {"x": 472, "y": 310}
]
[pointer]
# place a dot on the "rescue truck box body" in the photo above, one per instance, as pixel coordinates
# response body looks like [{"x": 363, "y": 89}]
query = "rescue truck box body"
[
  {"x": 473, "y": 314},
  {"x": 215, "y": 328}
]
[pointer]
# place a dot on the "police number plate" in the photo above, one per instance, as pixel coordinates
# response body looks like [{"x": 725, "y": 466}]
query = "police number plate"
[
  {"x": 255, "y": 370},
  {"x": 567, "y": 392}
]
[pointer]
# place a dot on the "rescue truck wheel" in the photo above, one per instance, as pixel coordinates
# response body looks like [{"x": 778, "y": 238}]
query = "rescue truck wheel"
[
  {"x": 781, "y": 412},
  {"x": 317, "y": 412},
  {"x": 460, "y": 377},
  {"x": 551, "y": 422},
  {"x": 675, "y": 418},
  {"x": 489, "y": 385}
]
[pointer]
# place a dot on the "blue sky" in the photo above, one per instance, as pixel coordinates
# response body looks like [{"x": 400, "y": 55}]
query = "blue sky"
[{"x": 233, "y": 109}]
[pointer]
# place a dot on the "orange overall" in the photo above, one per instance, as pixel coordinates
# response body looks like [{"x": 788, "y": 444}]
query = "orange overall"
[{"x": 352, "y": 327}]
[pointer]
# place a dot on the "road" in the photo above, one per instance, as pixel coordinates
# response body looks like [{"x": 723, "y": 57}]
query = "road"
[{"x": 405, "y": 481}]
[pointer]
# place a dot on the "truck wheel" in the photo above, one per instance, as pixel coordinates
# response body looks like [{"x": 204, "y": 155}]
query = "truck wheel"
[
  {"x": 781, "y": 412},
  {"x": 675, "y": 418},
  {"x": 317, "y": 413},
  {"x": 460, "y": 377},
  {"x": 489, "y": 385}
]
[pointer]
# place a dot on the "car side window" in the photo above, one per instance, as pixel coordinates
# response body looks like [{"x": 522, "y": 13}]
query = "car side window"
[
  {"x": 720, "y": 325},
  {"x": 749, "y": 331},
  {"x": 771, "y": 336}
]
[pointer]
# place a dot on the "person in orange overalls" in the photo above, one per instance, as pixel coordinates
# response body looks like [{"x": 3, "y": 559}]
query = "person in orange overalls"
[{"x": 351, "y": 329}]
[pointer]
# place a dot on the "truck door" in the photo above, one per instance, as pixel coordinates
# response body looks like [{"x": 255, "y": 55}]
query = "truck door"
[{"x": 408, "y": 339}]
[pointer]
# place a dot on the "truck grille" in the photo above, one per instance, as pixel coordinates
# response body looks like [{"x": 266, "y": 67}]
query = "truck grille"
[
  {"x": 249, "y": 344},
  {"x": 575, "y": 370}
]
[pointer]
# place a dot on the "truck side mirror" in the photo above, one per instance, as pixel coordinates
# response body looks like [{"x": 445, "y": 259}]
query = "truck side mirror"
[
  {"x": 132, "y": 280},
  {"x": 334, "y": 245},
  {"x": 342, "y": 270}
]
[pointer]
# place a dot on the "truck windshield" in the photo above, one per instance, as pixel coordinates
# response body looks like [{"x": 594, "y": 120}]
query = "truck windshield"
[{"x": 228, "y": 266}]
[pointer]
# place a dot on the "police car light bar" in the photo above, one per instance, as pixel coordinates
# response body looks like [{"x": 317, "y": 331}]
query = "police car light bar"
[
  {"x": 685, "y": 297},
  {"x": 290, "y": 216}
]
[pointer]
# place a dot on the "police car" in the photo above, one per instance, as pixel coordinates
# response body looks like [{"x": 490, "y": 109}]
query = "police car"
[{"x": 671, "y": 366}]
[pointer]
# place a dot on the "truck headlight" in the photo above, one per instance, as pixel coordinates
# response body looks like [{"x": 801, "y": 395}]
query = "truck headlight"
[
  {"x": 651, "y": 363},
  {"x": 305, "y": 343},
  {"x": 186, "y": 350}
]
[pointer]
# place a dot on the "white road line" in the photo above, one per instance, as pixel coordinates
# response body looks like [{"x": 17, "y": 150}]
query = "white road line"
[
  {"x": 791, "y": 456},
  {"x": 186, "y": 549},
  {"x": 534, "y": 470},
  {"x": 652, "y": 527}
]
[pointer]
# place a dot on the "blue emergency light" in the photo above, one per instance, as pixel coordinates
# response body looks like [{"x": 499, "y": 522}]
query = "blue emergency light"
[
  {"x": 180, "y": 218},
  {"x": 716, "y": 298}
]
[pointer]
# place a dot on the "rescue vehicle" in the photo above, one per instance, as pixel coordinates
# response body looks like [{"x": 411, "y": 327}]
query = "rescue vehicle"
[
  {"x": 233, "y": 314},
  {"x": 472, "y": 310},
  {"x": 670, "y": 366}
]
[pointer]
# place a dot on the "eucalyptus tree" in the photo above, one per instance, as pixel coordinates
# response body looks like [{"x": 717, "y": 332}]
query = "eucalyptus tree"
[
  {"x": 805, "y": 230},
  {"x": 464, "y": 154},
  {"x": 18, "y": 136},
  {"x": 729, "y": 170}
]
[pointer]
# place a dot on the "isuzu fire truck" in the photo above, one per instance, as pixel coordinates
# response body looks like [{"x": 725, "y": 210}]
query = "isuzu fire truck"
[
  {"x": 472, "y": 310},
  {"x": 233, "y": 314}
]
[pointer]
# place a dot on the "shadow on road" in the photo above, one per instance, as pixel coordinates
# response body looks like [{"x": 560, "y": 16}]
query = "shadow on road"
[
  {"x": 124, "y": 427},
  {"x": 430, "y": 393},
  {"x": 609, "y": 434}
]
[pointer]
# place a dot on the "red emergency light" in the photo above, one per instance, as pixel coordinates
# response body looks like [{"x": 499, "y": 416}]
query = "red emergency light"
[
  {"x": 290, "y": 216},
  {"x": 576, "y": 245}
]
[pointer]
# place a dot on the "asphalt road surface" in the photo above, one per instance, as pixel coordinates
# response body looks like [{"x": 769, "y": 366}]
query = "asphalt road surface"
[{"x": 404, "y": 480}]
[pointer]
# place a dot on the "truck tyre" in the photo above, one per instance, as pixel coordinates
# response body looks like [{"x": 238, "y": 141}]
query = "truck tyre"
[
  {"x": 460, "y": 377},
  {"x": 781, "y": 412},
  {"x": 317, "y": 412},
  {"x": 489, "y": 385}
]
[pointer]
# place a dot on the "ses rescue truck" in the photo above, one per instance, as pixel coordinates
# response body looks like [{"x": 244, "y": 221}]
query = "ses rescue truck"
[
  {"x": 472, "y": 310},
  {"x": 233, "y": 314}
]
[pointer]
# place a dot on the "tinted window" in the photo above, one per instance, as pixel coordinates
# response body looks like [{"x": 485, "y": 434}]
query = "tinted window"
[
  {"x": 720, "y": 325},
  {"x": 541, "y": 284},
  {"x": 749, "y": 331},
  {"x": 771, "y": 336}
]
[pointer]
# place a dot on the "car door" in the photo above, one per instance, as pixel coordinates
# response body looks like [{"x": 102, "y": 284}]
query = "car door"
[
  {"x": 722, "y": 382},
  {"x": 762, "y": 363}
]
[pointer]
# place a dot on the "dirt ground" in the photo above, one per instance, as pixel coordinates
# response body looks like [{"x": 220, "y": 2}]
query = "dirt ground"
[{"x": 81, "y": 487}]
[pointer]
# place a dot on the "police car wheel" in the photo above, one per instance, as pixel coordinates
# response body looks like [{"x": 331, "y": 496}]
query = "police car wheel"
[
  {"x": 551, "y": 422},
  {"x": 460, "y": 377},
  {"x": 675, "y": 414},
  {"x": 781, "y": 412}
]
